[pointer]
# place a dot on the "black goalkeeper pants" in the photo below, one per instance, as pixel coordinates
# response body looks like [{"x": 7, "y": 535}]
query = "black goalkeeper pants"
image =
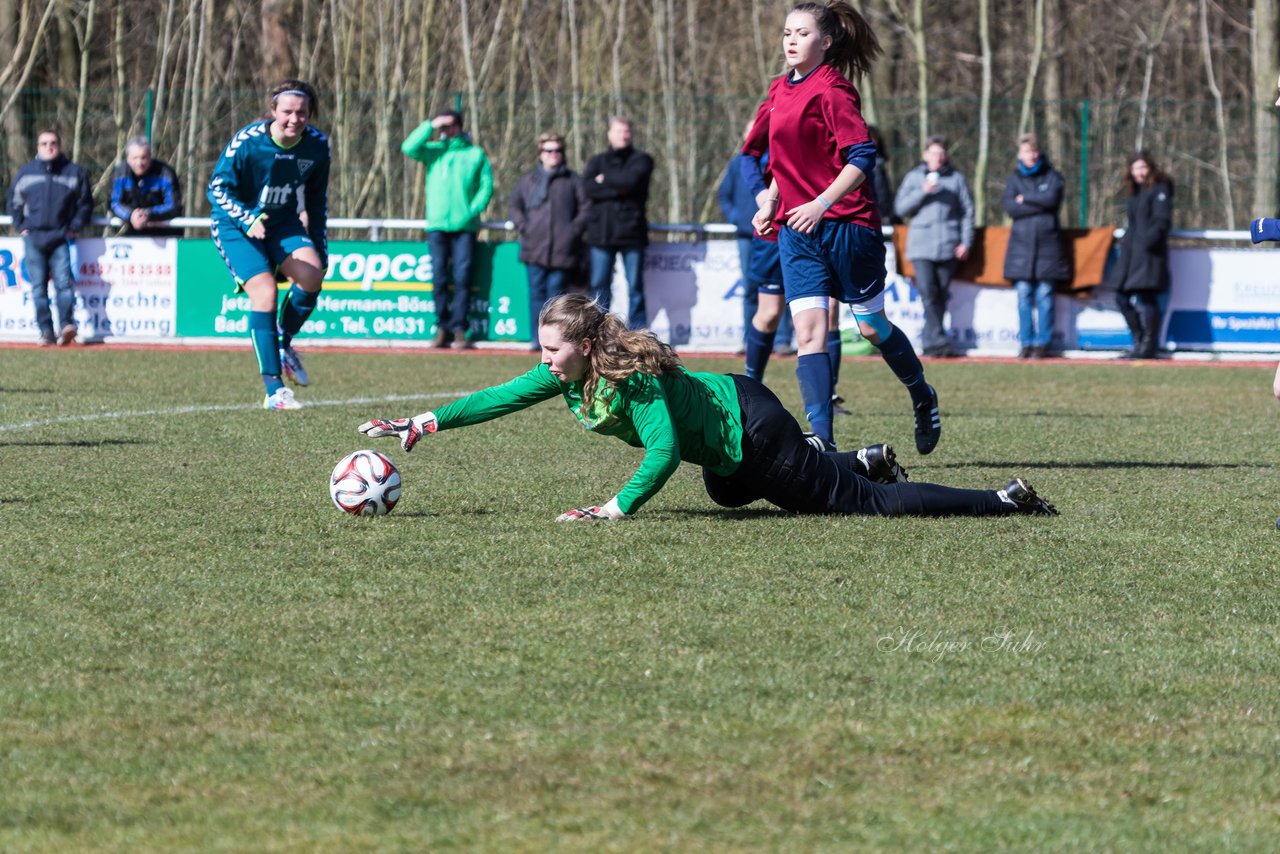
[{"x": 779, "y": 466}]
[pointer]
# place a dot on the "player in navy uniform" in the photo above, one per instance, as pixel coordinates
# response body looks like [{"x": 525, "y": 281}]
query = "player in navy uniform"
[
  {"x": 269, "y": 171},
  {"x": 823, "y": 208}
]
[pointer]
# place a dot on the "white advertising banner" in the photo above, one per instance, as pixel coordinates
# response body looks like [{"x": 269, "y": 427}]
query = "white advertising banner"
[
  {"x": 1224, "y": 299},
  {"x": 693, "y": 293},
  {"x": 125, "y": 289},
  {"x": 694, "y": 297},
  {"x": 1221, "y": 300}
]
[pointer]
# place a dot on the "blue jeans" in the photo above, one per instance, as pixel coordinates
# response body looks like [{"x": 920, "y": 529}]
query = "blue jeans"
[
  {"x": 451, "y": 260},
  {"x": 39, "y": 265},
  {"x": 1035, "y": 313},
  {"x": 602, "y": 280},
  {"x": 544, "y": 283}
]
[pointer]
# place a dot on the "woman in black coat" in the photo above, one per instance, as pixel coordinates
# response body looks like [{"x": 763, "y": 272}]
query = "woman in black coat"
[
  {"x": 548, "y": 208},
  {"x": 1141, "y": 271},
  {"x": 1035, "y": 259}
]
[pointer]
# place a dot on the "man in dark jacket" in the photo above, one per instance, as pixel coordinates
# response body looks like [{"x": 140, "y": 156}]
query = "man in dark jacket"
[
  {"x": 1035, "y": 259},
  {"x": 617, "y": 184},
  {"x": 145, "y": 192},
  {"x": 548, "y": 207},
  {"x": 50, "y": 202}
]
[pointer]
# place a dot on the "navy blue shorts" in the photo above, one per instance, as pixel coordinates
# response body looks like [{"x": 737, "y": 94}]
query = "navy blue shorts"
[
  {"x": 247, "y": 257},
  {"x": 837, "y": 259},
  {"x": 766, "y": 266}
]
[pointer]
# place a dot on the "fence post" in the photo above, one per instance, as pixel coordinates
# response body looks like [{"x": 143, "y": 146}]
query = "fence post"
[
  {"x": 1084, "y": 163},
  {"x": 150, "y": 100}
]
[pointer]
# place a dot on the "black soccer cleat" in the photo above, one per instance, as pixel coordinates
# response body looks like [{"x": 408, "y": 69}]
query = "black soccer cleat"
[
  {"x": 881, "y": 464},
  {"x": 928, "y": 423},
  {"x": 1023, "y": 496},
  {"x": 819, "y": 444}
]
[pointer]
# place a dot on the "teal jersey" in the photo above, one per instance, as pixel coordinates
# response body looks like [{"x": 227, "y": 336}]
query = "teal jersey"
[
  {"x": 694, "y": 417},
  {"x": 256, "y": 176}
]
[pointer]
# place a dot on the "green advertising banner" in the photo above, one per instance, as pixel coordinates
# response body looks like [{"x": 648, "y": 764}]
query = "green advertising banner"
[{"x": 372, "y": 291}]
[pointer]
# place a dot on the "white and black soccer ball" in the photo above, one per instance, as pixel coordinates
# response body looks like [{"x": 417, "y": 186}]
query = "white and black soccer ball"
[{"x": 365, "y": 483}]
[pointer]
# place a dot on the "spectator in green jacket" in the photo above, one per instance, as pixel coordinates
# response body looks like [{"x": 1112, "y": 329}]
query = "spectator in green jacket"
[{"x": 459, "y": 186}]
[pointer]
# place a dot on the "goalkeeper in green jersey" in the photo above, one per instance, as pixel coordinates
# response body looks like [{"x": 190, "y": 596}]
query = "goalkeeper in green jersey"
[{"x": 628, "y": 384}]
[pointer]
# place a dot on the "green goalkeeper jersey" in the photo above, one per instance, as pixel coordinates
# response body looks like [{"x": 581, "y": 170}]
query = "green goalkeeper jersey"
[{"x": 687, "y": 416}]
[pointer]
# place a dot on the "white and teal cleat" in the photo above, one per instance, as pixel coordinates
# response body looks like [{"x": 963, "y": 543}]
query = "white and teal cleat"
[
  {"x": 282, "y": 398},
  {"x": 292, "y": 364}
]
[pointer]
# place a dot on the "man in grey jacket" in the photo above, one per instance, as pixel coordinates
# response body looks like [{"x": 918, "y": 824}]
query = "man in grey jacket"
[{"x": 936, "y": 200}]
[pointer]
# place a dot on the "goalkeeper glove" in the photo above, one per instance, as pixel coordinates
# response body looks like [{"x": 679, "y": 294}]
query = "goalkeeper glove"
[
  {"x": 409, "y": 430},
  {"x": 609, "y": 512}
]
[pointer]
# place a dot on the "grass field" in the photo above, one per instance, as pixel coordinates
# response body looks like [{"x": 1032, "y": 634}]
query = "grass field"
[{"x": 198, "y": 652}]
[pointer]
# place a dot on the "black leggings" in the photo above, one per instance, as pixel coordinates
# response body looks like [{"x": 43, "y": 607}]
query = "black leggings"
[{"x": 779, "y": 466}]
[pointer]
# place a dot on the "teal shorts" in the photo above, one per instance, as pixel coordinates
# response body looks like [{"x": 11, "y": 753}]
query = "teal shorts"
[{"x": 247, "y": 257}]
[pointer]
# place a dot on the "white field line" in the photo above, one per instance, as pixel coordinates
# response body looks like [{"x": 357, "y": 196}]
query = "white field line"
[{"x": 239, "y": 407}]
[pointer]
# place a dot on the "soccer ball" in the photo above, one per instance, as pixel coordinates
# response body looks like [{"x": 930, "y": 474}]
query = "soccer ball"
[{"x": 365, "y": 483}]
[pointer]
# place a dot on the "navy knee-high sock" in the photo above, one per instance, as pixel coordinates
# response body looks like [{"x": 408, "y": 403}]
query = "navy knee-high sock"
[
  {"x": 835, "y": 344},
  {"x": 266, "y": 347},
  {"x": 297, "y": 308},
  {"x": 898, "y": 354},
  {"x": 759, "y": 348},
  {"x": 813, "y": 371}
]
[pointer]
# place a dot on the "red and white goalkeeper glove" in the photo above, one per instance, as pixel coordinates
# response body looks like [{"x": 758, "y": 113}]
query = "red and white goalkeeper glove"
[
  {"x": 608, "y": 513},
  {"x": 408, "y": 430}
]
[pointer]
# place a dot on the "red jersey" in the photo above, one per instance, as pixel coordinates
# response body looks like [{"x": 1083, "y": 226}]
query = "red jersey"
[{"x": 805, "y": 126}]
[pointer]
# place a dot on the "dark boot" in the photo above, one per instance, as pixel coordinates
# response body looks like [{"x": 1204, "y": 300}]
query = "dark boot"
[
  {"x": 1146, "y": 348},
  {"x": 1134, "y": 321},
  {"x": 1146, "y": 344}
]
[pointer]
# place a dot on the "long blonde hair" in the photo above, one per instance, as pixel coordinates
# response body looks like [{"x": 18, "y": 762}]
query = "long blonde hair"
[{"x": 616, "y": 351}]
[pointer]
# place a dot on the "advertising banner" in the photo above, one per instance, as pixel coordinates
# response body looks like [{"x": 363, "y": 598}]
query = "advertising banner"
[
  {"x": 693, "y": 293},
  {"x": 156, "y": 289},
  {"x": 372, "y": 292},
  {"x": 1223, "y": 299},
  {"x": 124, "y": 287}
]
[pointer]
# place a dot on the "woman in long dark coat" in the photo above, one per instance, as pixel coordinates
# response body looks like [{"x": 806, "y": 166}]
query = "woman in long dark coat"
[
  {"x": 1035, "y": 259},
  {"x": 1141, "y": 272}
]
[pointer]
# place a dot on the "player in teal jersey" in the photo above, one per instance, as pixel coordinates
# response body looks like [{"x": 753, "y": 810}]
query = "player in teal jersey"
[
  {"x": 269, "y": 197},
  {"x": 630, "y": 385}
]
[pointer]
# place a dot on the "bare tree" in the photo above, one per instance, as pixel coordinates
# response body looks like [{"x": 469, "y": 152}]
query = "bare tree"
[
  {"x": 277, "y": 49},
  {"x": 1033, "y": 69},
  {"x": 1264, "y": 125},
  {"x": 1219, "y": 116},
  {"x": 984, "y": 116}
]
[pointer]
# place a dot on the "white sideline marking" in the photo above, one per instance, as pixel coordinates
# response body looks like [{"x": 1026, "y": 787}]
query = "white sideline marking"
[{"x": 239, "y": 407}]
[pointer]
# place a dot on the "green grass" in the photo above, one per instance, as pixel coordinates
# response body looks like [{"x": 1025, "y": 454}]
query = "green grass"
[{"x": 198, "y": 652}]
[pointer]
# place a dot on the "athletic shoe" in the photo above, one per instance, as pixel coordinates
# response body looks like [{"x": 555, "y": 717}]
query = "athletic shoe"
[
  {"x": 1021, "y": 495},
  {"x": 47, "y": 340},
  {"x": 881, "y": 464},
  {"x": 838, "y": 407},
  {"x": 292, "y": 364},
  {"x": 928, "y": 423},
  {"x": 282, "y": 399},
  {"x": 67, "y": 336},
  {"x": 819, "y": 443}
]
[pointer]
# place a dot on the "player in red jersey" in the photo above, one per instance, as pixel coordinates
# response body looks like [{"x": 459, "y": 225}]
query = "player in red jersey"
[{"x": 823, "y": 208}]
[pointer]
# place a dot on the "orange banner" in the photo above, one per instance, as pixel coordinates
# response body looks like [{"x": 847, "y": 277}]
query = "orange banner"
[{"x": 985, "y": 264}]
